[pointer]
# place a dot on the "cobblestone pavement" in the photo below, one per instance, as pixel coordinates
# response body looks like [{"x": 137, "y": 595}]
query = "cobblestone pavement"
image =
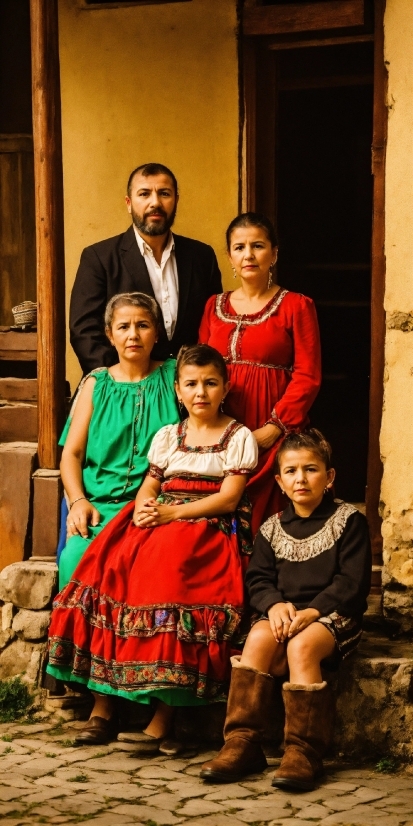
[{"x": 45, "y": 779}]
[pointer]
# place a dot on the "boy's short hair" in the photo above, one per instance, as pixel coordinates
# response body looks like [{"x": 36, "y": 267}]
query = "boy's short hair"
[
  {"x": 309, "y": 439},
  {"x": 201, "y": 355}
]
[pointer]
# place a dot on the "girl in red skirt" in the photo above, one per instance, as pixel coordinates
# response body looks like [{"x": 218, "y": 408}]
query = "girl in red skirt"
[{"x": 155, "y": 605}]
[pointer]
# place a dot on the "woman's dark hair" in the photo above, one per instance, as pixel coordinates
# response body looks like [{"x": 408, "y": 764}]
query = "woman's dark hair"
[
  {"x": 252, "y": 219},
  {"x": 146, "y": 302},
  {"x": 201, "y": 355},
  {"x": 147, "y": 169},
  {"x": 309, "y": 439}
]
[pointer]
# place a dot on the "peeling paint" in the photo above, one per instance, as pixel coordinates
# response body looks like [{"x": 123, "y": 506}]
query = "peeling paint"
[{"x": 400, "y": 321}]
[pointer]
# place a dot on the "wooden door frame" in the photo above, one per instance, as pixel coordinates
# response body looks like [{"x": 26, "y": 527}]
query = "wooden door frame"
[
  {"x": 258, "y": 65},
  {"x": 50, "y": 261}
]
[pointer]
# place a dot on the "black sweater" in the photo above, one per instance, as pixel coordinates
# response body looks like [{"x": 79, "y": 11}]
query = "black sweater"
[{"x": 328, "y": 568}]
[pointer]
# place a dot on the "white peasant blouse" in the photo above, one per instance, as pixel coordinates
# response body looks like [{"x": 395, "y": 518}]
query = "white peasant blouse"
[{"x": 235, "y": 453}]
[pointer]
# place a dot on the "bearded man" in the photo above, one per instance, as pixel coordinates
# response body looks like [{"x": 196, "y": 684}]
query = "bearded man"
[{"x": 179, "y": 272}]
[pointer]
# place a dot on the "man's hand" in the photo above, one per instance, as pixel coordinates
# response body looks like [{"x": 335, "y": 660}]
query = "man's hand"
[
  {"x": 82, "y": 514},
  {"x": 281, "y": 616}
]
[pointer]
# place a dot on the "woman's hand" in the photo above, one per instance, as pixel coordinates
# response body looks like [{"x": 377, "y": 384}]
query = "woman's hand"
[
  {"x": 302, "y": 619},
  {"x": 150, "y": 515},
  {"x": 281, "y": 616},
  {"x": 82, "y": 514},
  {"x": 267, "y": 436}
]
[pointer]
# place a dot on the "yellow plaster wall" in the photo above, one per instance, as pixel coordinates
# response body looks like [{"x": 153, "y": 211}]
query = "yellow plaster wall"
[
  {"x": 397, "y": 433},
  {"x": 145, "y": 83}
]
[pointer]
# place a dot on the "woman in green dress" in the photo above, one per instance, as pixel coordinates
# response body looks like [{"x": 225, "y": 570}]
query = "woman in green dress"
[{"x": 115, "y": 416}]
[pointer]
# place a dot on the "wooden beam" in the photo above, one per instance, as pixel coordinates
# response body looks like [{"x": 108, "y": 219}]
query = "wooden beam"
[
  {"x": 330, "y": 82},
  {"x": 16, "y": 143},
  {"x": 296, "y": 17},
  {"x": 374, "y": 463},
  {"x": 281, "y": 45},
  {"x": 48, "y": 175},
  {"x": 18, "y": 346}
]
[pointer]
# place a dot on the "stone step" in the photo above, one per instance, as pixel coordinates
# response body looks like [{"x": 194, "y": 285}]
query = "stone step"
[
  {"x": 18, "y": 421},
  {"x": 18, "y": 390},
  {"x": 374, "y": 687},
  {"x": 375, "y": 699}
]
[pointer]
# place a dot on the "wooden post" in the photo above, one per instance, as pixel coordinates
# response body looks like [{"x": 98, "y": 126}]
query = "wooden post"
[
  {"x": 378, "y": 272},
  {"x": 48, "y": 175}
]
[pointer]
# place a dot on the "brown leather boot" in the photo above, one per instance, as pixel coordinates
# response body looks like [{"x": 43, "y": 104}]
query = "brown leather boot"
[
  {"x": 309, "y": 715},
  {"x": 248, "y": 703}
]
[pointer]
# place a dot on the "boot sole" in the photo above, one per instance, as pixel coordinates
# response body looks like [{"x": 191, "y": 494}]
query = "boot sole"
[
  {"x": 221, "y": 777},
  {"x": 290, "y": 783}
]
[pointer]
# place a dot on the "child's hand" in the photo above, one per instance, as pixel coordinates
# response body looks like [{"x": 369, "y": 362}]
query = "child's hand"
[
  {"x": 302, "y": 619},
  {"x": 143, "y": 511},
  {"x": 151, "y": 515},
  {"x": 281, "y": 615}
]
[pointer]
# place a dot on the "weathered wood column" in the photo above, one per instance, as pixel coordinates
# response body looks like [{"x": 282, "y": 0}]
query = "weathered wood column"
[
  {"x": 48, "y": 174},
  {"x": 378, "y": 275}
]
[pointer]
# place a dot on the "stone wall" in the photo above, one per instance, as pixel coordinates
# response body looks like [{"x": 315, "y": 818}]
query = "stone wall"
[
  {"x": 26, "y": 593},
  {"x": 396, "y": 435}
]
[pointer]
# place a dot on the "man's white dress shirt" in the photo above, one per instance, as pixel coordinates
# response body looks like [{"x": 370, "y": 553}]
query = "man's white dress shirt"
[{"x": 164, "y": 280}]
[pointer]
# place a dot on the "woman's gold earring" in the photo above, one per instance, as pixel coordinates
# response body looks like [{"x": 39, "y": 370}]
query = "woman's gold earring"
[
  {"x": 269, "y": 285},
  {"x": 234, "y": 271}
]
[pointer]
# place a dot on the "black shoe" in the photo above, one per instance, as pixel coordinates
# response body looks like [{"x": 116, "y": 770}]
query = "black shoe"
[{"x": 97, "y": 732}]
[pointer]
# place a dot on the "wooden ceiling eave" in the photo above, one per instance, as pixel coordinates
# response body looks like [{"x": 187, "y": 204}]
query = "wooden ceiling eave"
[{"x": 348, "y": 16}]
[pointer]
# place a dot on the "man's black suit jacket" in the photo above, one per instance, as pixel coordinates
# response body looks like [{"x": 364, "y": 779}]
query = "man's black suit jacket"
[{"x": 117, "y": 266}]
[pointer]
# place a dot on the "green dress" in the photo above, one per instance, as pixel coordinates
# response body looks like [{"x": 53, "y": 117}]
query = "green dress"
[{"x": 125, "y": 418}]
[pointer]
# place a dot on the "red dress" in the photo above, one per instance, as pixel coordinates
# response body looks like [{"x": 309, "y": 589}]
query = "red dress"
[
  {"x": 274, "y": 366},
  {"x": 157, "y": 611}
]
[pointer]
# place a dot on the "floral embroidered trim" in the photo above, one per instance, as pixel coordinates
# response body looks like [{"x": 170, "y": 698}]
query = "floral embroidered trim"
[
  {"x": 156, "y": 472},
  {"x": 238, "y": 523},
  {"x": 299, "y": 550},
  {"x": 241, "y": 471},
  {"x": 346, "y": 631},
  {"x": 275, "y": 420},
  {"x": 257, "y": 364},
  {"x": 132, "y": 676},
  {"x": 190, "y": 623},
  {"x": 252, "y": 318},
  {"x": 243, "y": 321},
  {"x": 223, "y": 443}
]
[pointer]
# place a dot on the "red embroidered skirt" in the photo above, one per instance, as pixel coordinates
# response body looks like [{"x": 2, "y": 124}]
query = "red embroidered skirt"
[{"x": 156, "y": 608}]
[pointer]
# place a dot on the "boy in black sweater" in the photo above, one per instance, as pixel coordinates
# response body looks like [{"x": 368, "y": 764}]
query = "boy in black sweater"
[{"x": 308, "y": 579}]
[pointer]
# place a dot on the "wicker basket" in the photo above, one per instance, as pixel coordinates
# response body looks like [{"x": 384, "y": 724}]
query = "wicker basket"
[{"x": 25, "y": 313}]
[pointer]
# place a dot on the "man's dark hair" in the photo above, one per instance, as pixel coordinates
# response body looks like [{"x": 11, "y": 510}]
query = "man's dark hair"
[
  {"x": 201, "y": 355},
  {"x": 147, "y": 169},
  {"x": 252, "y": 219},
  {"x": 309, "y": 439}
]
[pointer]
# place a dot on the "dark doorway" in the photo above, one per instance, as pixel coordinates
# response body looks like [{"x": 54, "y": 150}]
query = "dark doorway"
[
  {"x": 17, "y": 220},
  {"x": 324, "y": 123}
]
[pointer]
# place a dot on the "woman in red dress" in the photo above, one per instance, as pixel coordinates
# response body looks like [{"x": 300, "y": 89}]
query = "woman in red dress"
[{"x": 270, "y": 340}]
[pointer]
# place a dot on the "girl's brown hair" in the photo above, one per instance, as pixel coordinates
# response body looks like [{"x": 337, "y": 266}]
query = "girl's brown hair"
[{"x": 201, "y": 355}]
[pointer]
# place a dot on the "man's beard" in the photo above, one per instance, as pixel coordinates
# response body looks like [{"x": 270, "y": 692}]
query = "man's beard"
[{"x": 159, "y": 228}]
